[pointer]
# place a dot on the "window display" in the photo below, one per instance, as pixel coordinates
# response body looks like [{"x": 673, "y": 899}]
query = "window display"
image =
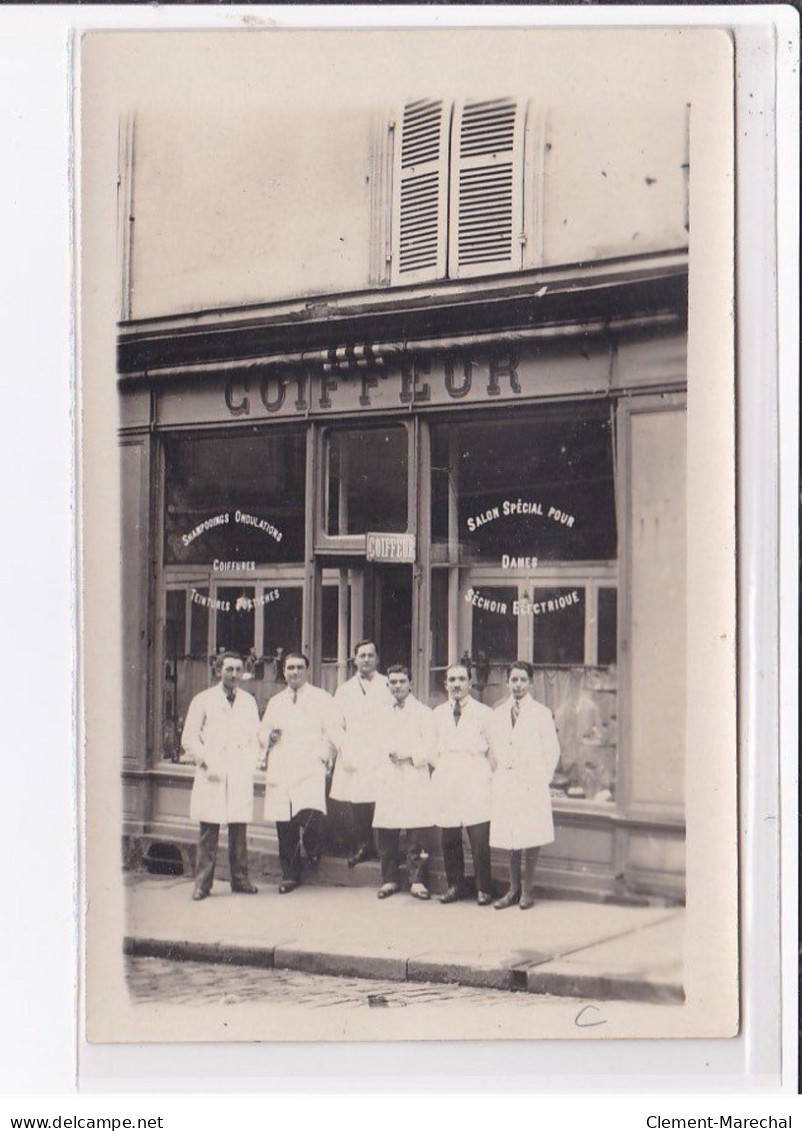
[{"x": 235, "y": 502}]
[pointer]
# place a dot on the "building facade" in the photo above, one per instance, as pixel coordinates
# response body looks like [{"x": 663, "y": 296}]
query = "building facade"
[{"x": 417, "y": 375}]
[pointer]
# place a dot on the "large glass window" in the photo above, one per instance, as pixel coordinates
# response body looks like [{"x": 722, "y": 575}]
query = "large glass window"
[
  {"x": 175, "y": 627},
  {"x": 281, "y": 621},
  {"x": 525, "y": 507},
  {"x": 235, "y": 498},
  {"x": 236, "y": 620},
  {"x": 558, "y": 625},
  {"x": 539, "y": 487},
  {"x": 186, "y": 658},
  {"x": 366, "y": 480},
  {"x": 495, "y": 628},
  {"x": 607, "y": 626}
]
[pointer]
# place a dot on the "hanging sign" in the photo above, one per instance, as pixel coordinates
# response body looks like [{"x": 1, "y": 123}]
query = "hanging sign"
[{"x": 390, "y": 547}]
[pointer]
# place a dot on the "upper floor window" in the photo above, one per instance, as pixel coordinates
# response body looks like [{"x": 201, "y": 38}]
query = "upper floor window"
[{"x": 465, "y": 189}]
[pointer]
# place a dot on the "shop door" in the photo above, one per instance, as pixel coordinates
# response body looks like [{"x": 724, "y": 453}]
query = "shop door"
[{"x": 389, "y": 620}]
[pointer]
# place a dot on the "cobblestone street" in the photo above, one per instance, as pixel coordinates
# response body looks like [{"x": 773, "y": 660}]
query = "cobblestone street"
[{"x": 158, "y": 980}]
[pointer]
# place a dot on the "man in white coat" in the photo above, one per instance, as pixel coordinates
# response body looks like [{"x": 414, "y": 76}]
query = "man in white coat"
[
  {"x": 302, "y": 731},
  {"x": 525, "y": 750},
  {"x": 220, "y": 737},
  {"x": 407, "y": 739},
  {"x": 462, "y": 784},
  {"x": 354, "y": 781}
]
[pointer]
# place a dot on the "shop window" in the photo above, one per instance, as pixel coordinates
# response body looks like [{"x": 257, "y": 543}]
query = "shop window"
[
  {"x": 558, "y": 626},
  {"x": 366, "y": 480},
  {"x": 495, "y": 627},
  {"x": 175, "y": 627},
  {"x": 584, "y": 704},
  {"x": 235, "y": 498},
  {"x": 607, "y": 626},
  {"x": 199, "y": 624},
  {"x": 281, "y": 621},
  {"x": 441, "y": 480},
  {"x": 536, "y": 489},
  {"x": 235, "y": 618},
  {"x": 186, "y": 659},
  {"x": 460, "y": 181}
]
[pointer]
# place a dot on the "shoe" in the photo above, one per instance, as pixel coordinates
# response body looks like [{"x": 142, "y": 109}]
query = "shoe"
[
  {"x": 526, "y": 902},
  {"x": 386, "y": 890},
  {"x": 313, "y": 860},
  {"x": 508, "y": 900},
  {"x": 419, "y": 891},
  {"x": 245, "y": 888},
  {"x": 451, "y": 896},
  {"x": 198, "y": 895},
  {"x": 287, "y": 887},
  {"x": 363, "y": 853},
  {"x": 484, "y": 899}
]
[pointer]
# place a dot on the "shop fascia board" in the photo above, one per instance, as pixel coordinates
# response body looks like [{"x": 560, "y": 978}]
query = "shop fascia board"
[{"x": 359, "y": 331}]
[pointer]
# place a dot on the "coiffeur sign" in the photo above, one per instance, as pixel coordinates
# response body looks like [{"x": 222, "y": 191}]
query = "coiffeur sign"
[
  {"x": 430, "y": 381},
  {"x": 390, "y": 547}
]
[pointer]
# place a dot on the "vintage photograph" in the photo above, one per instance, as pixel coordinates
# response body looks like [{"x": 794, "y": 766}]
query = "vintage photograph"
[{"x": 406, "y": 445}]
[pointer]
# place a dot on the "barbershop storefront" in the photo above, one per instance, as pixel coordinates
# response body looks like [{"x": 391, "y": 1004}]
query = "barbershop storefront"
[{"x": 518, "y": 493}]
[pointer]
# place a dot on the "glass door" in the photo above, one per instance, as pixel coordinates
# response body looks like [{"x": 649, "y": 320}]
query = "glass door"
[{"x": 392, "y": 614}]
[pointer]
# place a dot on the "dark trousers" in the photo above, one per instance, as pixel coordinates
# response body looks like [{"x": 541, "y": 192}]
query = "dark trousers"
[
  {"x": 304, "y": 825},
  {"x": 207, "y": 855},
  {"x": 418, "y": 842},
  {"x": 454, "y": 857},
  {"x": 523, "y": 860},
  {"x": 362, "y": 824},
  {"x": 354, "y": 824},
  {"x": 356, "y": 818}
]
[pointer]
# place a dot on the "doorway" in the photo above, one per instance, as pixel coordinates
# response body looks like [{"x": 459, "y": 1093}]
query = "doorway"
[{"x": 389, "y": 618}]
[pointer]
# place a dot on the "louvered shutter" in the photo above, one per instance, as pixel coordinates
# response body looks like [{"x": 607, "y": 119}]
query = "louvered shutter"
[
  {"x": 420, "y": 204},
  {"x": 486, "y": 223}
]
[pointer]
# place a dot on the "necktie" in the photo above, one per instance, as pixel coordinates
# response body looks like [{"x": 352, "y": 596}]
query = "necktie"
[
  {"x": 294, "y": 696},
  {"x": 399, "y": 706},
  {"x": 457, "y": 711},
  {"x": 231, "y": 695},
  {"x": 515, "y": 711}
]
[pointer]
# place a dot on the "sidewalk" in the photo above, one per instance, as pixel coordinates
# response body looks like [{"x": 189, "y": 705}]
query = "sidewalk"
[{"x": 562, "y": 947}]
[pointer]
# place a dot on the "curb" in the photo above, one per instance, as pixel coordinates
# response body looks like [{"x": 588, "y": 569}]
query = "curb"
[
  {"x": 602, "y": 987},
  {"x": 215, "y": 953},
  {"x": 533, "y": 980}
]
